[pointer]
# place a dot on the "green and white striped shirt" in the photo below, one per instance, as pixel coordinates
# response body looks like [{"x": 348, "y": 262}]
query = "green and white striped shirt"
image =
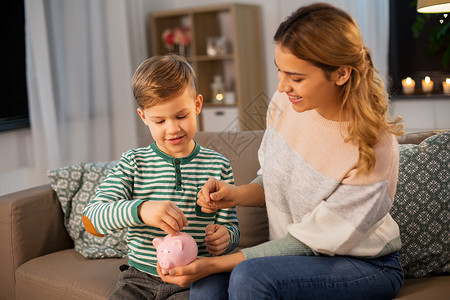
[{"x": 149, "y": 174}]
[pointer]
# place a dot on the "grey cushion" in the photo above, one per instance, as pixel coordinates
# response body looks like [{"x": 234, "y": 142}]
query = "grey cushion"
[
  {"x": 421, "y": 206},
  {"x": 75, "y": 186}
]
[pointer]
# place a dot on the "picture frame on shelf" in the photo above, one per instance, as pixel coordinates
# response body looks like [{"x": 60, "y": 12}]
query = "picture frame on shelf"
[{"x": 216, "y": 46}]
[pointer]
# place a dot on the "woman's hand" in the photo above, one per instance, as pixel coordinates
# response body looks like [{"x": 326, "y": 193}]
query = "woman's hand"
[
  {"x": 185, "y": 275},
  {"x": 201, "y": 268},
  {"x": 216, "y": 194}
]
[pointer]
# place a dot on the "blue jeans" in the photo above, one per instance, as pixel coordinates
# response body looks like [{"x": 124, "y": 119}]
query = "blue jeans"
[{"x": 305, "y": 277}]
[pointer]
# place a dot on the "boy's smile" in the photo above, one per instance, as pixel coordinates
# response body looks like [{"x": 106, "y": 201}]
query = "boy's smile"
[
  {"x": 176, "y": 141},
  {"x": 173, "y": 122}
]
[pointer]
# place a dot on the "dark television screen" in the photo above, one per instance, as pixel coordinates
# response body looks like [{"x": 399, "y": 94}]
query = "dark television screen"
[{"x": 14, "y": 107}]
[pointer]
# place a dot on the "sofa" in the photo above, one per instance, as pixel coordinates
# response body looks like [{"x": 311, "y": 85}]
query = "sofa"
[{"x": 42, "y": 257}]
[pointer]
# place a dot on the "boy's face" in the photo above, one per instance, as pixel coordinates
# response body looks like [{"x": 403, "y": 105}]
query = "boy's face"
[{"x": 173, "y": 123}]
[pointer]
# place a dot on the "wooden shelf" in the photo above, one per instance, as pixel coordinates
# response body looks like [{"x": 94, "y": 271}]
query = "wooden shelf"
[
  {"x": 210, "y": 57},
  {"x": 218, "y": 105},
  {"x": 242, "y": 67}
]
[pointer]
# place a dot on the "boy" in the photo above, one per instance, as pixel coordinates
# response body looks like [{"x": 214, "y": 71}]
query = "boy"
[{"x": 153, "y": 190}]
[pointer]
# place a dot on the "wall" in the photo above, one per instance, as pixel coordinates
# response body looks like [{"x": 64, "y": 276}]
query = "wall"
[
  {"x": 15, "y": 160},
  {"x": 423, "y": 113}
]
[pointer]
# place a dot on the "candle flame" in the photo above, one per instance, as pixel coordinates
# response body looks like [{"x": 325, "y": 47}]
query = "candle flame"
[
  {"x": 219, "y": 97},
  {"x": 447, "y": 80},
  {"x": 409, "y": 80},
  {"x": 427, "y": 79}
]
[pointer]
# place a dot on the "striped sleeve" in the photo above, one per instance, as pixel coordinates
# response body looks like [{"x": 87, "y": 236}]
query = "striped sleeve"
[
  {"x": 112, "y": 208},
  {"x": 228, "y": 217}
]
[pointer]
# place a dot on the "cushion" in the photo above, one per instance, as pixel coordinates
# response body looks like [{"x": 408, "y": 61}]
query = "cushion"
[
  {"x": 421, "y": 206},
  {"x": 417, "y": 137},
  {"x": 67, "y": 275},
  {"x": 75, "y": 186}
]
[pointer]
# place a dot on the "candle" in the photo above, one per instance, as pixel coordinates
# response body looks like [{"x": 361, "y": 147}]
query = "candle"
[
  {"x": 427, "y": 85},
  {"x": 446, "y": 86},
  {"x": 408, "y": 85}
]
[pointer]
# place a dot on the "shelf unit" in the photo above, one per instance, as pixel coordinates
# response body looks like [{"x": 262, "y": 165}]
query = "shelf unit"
[{"x": 242, "y": 65}]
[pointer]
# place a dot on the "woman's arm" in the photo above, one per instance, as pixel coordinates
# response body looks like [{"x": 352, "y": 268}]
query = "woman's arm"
[
  {"x": 217, "y": 194},
  {"x": 206, "y": 266},
  {"x": 200, "y": 268}
]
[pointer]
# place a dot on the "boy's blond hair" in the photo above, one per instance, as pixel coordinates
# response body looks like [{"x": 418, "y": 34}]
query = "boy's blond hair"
[{"x": 160, "y": 78}]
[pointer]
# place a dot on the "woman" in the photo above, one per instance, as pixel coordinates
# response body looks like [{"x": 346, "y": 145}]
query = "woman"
[{"x": 329, "y": 166}]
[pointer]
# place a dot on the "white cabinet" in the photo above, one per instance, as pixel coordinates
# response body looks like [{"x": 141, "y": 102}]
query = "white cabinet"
[{"x": 219, "y": 119}]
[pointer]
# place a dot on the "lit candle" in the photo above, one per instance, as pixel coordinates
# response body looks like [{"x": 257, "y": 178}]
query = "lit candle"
[
  {"x": 446, "y": 86},
  {"x": 408, "y": 85},
  {"x": 427, "y": 85}
]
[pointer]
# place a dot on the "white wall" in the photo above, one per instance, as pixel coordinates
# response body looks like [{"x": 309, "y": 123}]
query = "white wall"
[
  {"x": 15, "y": 160},
  {"x": 423, "y": 114}
]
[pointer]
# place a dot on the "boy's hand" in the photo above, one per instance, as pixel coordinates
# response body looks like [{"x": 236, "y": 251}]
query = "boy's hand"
[
  {"x": 217, "y": 239},
  {"x": 162, "y": 214}
]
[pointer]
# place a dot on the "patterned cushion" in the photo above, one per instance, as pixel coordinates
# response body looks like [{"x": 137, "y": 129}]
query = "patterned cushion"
[
  {"x": 421, "y": 206},
  {"x": 75, "y": 186}
]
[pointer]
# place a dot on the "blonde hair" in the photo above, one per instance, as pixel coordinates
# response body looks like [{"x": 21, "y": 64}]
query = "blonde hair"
[
  {"x": 328, "y": 37},
  {"x": 160, "y": 78}
]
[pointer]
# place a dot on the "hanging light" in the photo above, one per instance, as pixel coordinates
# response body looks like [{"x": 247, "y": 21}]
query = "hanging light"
[{"x": 433, "y": 6}]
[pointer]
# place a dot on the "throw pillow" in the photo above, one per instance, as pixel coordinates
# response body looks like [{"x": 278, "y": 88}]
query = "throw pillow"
[
  {"x": 421, "y": 206},
  {"x": 75, "y": 186}
]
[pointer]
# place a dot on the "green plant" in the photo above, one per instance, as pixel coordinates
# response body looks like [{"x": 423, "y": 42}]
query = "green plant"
[{"x": 439, "y": 36}]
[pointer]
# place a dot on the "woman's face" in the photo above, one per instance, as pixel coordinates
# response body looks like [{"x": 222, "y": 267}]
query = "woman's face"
[{"x": 306, "y": 85}]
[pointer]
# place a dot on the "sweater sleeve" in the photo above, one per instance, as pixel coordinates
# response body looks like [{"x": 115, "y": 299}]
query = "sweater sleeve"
[
  {"x": 285, "y": 246},
  {"x": 112, "y": 208},
  {"x": 228, "y": 217},
  {"x": 346, "y": 222},
  {"x": 259, "y": 181}
]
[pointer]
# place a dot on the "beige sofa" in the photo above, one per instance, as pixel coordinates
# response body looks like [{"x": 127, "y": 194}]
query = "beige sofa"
[{"x": 38, "y": 260}]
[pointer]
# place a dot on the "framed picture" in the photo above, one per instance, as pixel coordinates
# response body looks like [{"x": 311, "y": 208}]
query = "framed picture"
[{"x": 216, "y": 46}]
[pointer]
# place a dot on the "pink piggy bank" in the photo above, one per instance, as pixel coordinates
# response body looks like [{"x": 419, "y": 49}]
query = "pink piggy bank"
[{"x": 175, "y": 250}]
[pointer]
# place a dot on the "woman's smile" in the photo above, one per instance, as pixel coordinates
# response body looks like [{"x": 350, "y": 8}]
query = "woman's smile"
[{"x": 295, "y": 100}]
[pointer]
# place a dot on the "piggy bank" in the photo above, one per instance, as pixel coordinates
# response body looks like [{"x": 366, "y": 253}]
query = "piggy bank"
[{"x": 175, "y": 250}]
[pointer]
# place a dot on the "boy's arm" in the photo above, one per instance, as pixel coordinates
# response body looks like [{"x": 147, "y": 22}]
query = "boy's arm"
[
  {"x": 112, "y": 209},
  {"x": 228, "y": 217},
  {"x": 235, "y": 236}
]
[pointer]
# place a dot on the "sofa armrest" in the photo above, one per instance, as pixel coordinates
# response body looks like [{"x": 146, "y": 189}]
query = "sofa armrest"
[{"x": 31, "y": 225}]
